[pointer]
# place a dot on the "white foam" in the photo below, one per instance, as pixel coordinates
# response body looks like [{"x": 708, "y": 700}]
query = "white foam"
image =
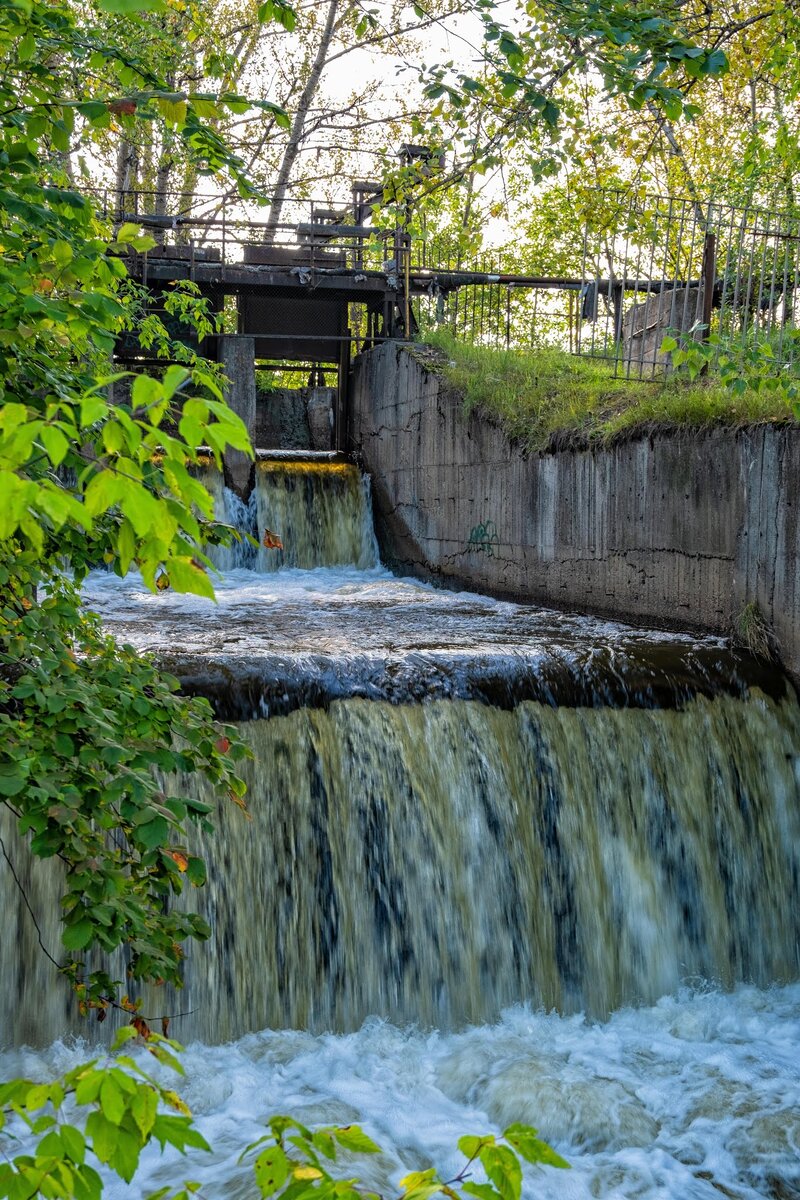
[
  {"x": 407, "y": 608},
  {"x": 697, "y": 1096}
]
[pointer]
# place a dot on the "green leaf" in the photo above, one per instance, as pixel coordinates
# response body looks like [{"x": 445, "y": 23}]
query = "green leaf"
[
  {"x": 483, "y": 1191},
  {"x": 196, "y": 874},
  {"x": 420, "y": 1185},
  {"x": 205, "y": 106},
  {"x": 112, "y": 1101},
  {"x": 93, "y": 409},
  {"x": 716, "y": 63},
  {"x": 144, "y": 1106},
  {"x": 128, "y": 233},
  {"x": 173, "y": 111},
  {"x": 470, "y": 1145},
  {"x": 74, "y": 1142},
  {"x": 79, "y": 935},
  {"x": 502, "y": 1166},
  {"x": 88, "y": 1087},
  {"x": 12, "y": 780},
  {"x": 92, "y": 110},
  {"x": 271, "y": 1170},
  {"x": 353, "y": 1138},
  {"x": 127, "y": 7},
  {"x": 104, "y": 1135},
  {"x": 55, "y": 443},
  {"x": 526, "y": 1142},
  {"x": 126, "y": 546},
  {"x": 174, "y": 378},
  {"x": 185, "y": 576},
  {"x": 146, "y": 391},
  {"x": 26, "y": 47},
  {"x": 321, "y": 1140},
  {"x": 126, "y": 1156}
]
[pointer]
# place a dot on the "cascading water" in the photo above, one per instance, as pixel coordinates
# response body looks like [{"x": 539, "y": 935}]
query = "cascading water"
[
  {"x": 319, "y": 509},
  {"x": 462, "y": 808}
]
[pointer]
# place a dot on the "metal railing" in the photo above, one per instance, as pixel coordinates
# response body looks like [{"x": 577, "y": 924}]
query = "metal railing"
[
  {"x": 232, "y": 231},
  {"x": 635, "y": 267},
  {"x": 631, "y": 267}
]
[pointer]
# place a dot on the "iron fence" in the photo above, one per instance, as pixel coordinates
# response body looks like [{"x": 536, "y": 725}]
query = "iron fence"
[
  {"x": 628, "y": 269},
  {"x": 634, "y": 268}
]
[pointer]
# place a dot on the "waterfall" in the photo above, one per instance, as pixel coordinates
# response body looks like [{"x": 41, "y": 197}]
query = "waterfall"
[
  {"x": 436, "y": 863},
  {"x": 456, "y": 804},
  {"x": 320, "y": 510},
  {"x": 461, "y": 810}
]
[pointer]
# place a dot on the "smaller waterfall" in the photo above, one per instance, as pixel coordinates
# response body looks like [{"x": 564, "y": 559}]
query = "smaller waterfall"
[
  {"x": 320, "y": 510},
  {"x": 231, "y": 510}
]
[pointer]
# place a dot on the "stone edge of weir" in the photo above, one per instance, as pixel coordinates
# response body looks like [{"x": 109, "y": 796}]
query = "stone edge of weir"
[{"x": 682, "y": 529}]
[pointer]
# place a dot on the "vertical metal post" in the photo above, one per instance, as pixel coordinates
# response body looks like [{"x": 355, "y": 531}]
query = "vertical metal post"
[
  {"x": 407, "y": 289},
  {"x": 707, "y": 280},
  {"x": 708, "y": 275},
  {"x": 616, "y": 300},
  {"x": 342, "y": 432}
]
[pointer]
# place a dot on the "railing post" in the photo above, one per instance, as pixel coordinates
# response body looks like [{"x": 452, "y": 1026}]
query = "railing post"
[{"x": 707, "y": 280}]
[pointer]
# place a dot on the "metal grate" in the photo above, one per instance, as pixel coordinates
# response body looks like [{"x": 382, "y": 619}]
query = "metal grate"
[{"x": 644, "y": 264}]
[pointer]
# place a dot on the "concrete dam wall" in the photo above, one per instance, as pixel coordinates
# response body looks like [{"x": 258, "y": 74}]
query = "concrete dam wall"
[{"x": 676, "y": 529}]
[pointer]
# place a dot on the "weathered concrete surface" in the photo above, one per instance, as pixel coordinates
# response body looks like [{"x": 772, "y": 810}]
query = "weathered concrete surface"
[
  {"x": 237, "y": 356},
  {"x": 295, "y": 418},
  {"x": 674, "y": 530}
]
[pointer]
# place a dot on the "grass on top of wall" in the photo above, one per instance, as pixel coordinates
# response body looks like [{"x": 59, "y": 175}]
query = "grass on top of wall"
[{"x": 547, "y": 398}]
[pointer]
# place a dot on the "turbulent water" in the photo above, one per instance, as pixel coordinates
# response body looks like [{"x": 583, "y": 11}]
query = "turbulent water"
[
  {"x": 695, "y": 1098},
  {"x": 320, "y": 510},
  {"x": 459, "y": 806}
]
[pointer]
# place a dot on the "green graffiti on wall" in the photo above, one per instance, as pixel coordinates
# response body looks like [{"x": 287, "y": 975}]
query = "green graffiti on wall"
[{"x": 484, "y": 538}]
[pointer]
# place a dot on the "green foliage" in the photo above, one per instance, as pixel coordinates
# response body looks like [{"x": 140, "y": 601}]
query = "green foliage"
[
  {"x": 752, "y": 630},
  {"x": 108, "y": 1111},
  {"x": 543, "y": 398},
  {"x": 749, "y": 364},
  {"x": 90, "y": 731},
  {"x": 293, "y": 1164},
  {"x": 644, "y": 55},
  {"x": 87, "y": 726}
]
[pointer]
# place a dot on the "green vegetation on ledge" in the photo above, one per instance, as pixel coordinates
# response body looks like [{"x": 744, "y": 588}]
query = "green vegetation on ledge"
[{"x": 547, "y": 398}]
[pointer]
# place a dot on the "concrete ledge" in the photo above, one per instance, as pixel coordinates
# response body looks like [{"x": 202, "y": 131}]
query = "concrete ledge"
[{"x": 676, "y": 530}]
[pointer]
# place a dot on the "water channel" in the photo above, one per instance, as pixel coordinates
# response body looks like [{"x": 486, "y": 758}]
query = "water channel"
[{"x": 503, "y": 864}]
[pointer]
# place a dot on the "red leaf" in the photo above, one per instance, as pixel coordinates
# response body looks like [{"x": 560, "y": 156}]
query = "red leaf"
[{"x": 180, "y": 860}]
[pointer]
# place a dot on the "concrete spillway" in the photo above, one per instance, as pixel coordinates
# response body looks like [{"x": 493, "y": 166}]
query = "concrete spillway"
[{"x": 462, "y": 808}]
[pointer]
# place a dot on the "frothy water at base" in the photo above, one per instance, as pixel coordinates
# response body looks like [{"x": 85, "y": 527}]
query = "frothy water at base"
[{"x": 694, "y": 1098}]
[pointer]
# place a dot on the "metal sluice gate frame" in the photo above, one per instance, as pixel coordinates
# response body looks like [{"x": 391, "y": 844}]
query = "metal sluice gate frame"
[{"x": 324, "y": 283}]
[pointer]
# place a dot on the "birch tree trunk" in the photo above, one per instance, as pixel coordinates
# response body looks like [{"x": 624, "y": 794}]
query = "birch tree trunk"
[{"x": 299, "y": 123}]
